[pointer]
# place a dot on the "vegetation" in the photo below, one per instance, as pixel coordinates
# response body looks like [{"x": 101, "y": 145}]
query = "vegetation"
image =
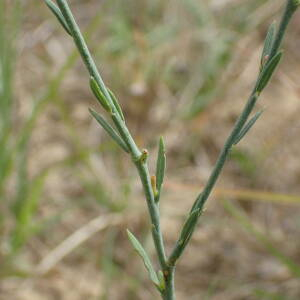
[
  {"x": 271, "y": 55},
  {"x": 181, "y": 69}
]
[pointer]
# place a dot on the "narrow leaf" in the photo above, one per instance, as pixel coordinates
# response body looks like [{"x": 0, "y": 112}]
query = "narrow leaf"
[
  {"x": 161, "y": 278},
  {"x": 267, "y": 72},
  {"x": 141, "y": 251},
  {"x": 270, "y": 37},
  {"x": 116, "y": 104},
  {"x": 196, "y": 203},
  {"x": 153, "y": 185},
  {"x": 107, "y": 127},
  {"x": 99, "y": 95},
  {"x": 56, "y": 11},
  {"x": 247, "y": 127},
  {"x": 189, "y": 226},
  {"x": 185, "y": 235},
  {"x": 160, "y": 166}
]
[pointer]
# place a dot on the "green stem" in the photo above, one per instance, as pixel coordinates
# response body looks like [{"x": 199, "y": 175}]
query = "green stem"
[
  {"x": 290, "y": 8},
  {"x": 169, "y": 293},
  {"x": 153, "y": 210},
  {"x": 203, "y": 196},
  {"x": 168, "y": 266},
  {"x": 141, "y": 166}
]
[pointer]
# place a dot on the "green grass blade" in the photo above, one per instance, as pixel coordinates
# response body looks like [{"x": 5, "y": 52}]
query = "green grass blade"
[
  {"x": 25, "y": 211},
  {"x": 10, "y": 16},
  {"x": 107, "y": 127},
  {"x": 141, "y": 251},
  {"x": 56, "y": 11}
]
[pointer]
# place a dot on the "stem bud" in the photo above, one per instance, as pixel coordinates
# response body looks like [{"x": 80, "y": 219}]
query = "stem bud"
[{"x": 144, "y": 156}]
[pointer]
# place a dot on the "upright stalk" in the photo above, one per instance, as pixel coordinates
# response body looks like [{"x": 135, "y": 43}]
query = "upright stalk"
[
  {"x": 169, "y": 293},
  {"x": 164, "y": 279},
  {"x": 290, "y": 8},
  {"x": 136, "y": 154}
]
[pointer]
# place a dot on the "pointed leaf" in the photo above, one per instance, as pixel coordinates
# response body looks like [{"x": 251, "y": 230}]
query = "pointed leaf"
[
  {"x": 99, "y": 95},
  {"x": 153, "y": 185},
  {"x": 185, "y": 235},
  {"x": 267, "y": 72},
  {"x": 247, "y": 127},
  {"x": 107, "y": 127},
  {"x": 196, "y": 203},
  {"x": 270, "y": 37},
  {"x": 141, "y": 251},
  {"x": 56, "y": 11},
  {"x": 116, "y": 104},
  {"x": 189, "y": 226},
  {"x": 160, "y": 166}
]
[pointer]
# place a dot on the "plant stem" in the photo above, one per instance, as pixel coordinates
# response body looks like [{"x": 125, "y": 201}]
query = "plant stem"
[
  {"x": 140, "y": 157},
  {"x": 290, "y": 8},
  {"x": 154, "y": 212},
  {"x": 141, "y": 166},
  {"x": 203, "y": 196},
  {"x": 169, "y": 293}
]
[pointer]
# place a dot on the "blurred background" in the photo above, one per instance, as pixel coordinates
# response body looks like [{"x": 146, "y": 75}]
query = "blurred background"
[{"x": 183, "y": 70}]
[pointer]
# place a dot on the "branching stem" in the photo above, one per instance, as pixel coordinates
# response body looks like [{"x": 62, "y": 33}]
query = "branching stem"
[{"x": 241, "y": 127}]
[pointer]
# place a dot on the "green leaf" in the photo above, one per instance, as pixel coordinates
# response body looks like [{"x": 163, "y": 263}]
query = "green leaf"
[
  {"x": 160, "y": 167},
  {"x": 185, "y": 235},
  {"x": 247, "y": 127},
  {"x": 161, "y": 278},
  {"x": 189, "y": 227},
  {"x": 141, "y": 251},
  {"x": 196, "y": 203},
  {"x": 56, "y": 11},
  {"x": 107, "y": 127},
  {"x": 116, "y": 104},
  {"x": 270, "y": 37},
  {"x": 99, "y": 95},
  {"x": 267, "y": 72}
]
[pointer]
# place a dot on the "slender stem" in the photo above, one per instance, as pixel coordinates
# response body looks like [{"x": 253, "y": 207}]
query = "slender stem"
[
  {"x": 201, "y": 199},
  {"x": 290, "y": 8},
  {"x": 169, "y": 293},
  {"x": 154, "y": 212},
  {"x": 123, "y": 130},
  {"x": 203, "y": 196},
  {"x": 168, "y": 266}
]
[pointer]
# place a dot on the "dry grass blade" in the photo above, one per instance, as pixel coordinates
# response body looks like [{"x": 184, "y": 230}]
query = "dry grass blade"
[{"x": 75, "y": 240}]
